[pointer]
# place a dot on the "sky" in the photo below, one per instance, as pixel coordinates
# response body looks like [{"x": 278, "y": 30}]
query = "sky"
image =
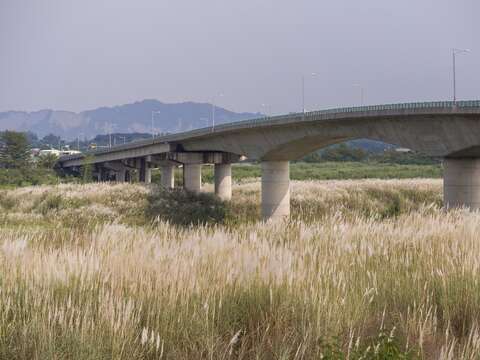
[{"x": 79, "y": 55}]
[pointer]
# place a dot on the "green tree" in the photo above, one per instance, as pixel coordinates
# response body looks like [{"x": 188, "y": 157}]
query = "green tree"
[
  {"x": 51, "y": 140},
  {"x": 14, "y": 150},
  {"x": 343, "y": 152},
  {"x": 87, "y": 169},
  {"x": 47, "y": 161}
]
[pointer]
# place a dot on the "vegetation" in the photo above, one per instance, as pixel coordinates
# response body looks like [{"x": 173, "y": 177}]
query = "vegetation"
[
  {"x": 186, "y": 208},
  {"x": 349, "y": 152},
  {"x": 369, "y": 269},
  {"x": 331, "y": 171},
  {"x": 16, "y": 166},
  {"x": 14, "y": 150}
]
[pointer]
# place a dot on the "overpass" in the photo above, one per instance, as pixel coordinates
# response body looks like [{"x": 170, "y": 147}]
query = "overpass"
[{"x": 450, "y": 130}]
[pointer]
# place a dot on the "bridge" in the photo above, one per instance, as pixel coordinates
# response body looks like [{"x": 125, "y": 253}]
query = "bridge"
[{"x": 449, "y": 130}]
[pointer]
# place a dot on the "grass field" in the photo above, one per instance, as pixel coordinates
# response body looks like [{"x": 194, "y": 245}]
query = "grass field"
[{"x": 369, "y": 269}]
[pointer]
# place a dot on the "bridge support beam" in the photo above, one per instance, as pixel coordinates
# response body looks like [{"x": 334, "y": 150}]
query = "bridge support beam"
[
  {"x": 168, "y": 176},
  {"x": 192, "y": 177},
  {"x": 275, "y": 190},
  {"x": 461, "y": 183},
  {"x": 223, "y": 181},
  {"x": 145, "y": 173}
]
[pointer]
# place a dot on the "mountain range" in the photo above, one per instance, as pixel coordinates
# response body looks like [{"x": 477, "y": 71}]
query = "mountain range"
[{"x": 128, "y": 118}]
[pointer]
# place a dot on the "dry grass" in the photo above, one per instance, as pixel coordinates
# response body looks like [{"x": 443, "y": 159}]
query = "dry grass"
[{"x": 354, "y": 278}]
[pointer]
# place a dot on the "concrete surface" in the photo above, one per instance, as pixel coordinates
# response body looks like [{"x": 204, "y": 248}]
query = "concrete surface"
[
  {"x": 275, "y": 189},
  {"x": 461, "y": 183},
  {"x": 192, "y": 177},
  {"x": 223, "y": 181}
]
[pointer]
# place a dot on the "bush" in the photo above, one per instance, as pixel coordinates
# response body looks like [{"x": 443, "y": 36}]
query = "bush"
[{"x": 181, "y": 207}]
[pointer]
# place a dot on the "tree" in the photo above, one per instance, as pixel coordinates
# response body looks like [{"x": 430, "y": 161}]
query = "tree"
[
  {"x": 51, "y": 140},
  {"x": 14, "y": 150},
  {"x": 343, "y": 152},
  {"x": 47, "y": 161}
]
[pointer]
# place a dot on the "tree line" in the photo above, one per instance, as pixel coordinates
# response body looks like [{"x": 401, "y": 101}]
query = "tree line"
[{"x": 17, "y": 166}]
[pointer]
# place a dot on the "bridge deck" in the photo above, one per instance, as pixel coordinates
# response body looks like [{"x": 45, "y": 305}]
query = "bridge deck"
[{"x": 403, "y": 109}]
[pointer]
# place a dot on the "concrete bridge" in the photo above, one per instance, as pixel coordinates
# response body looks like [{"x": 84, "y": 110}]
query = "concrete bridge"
[{"x": 443, "y": 129}]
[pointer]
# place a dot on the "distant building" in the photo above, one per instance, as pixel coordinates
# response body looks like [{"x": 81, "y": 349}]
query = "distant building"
[
  {"x": 54, "y": 152},
  {"x": 403, "y": 150}
]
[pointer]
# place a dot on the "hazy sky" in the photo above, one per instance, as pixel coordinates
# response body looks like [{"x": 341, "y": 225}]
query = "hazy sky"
[{"x": 81, "y": 54}]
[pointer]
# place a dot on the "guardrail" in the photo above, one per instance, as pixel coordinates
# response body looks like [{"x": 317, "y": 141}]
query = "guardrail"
[{"x": 354, "y": 109}]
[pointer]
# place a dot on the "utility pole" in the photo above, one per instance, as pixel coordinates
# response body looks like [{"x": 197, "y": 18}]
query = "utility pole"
[
  {"x": 454, "y": 53},
  {"x": 213, "y": 111},
  {"x": 303, "y": 91},
  {"x": 153, "y": 113}
]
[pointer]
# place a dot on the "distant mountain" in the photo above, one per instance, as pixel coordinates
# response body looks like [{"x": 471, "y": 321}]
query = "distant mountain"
[{"x": 129, "y": 118}]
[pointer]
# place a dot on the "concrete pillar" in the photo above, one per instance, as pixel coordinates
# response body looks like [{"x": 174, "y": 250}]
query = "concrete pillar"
[
  {"x": 120, "y": 175},
  {"x": 275, "y": 189},
  {"x": 148, "y": 175},
  {"x": 101, "y": 174},
  {"x": 223, "y": 181},
  {"x": 145, "y": 174},
  {"x": 168, "y": 176},
  {"x": 461, "y": 183},
  {"x": 192, "y": 177}
]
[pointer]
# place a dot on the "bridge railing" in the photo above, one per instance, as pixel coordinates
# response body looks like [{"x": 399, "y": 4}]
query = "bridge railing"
[{"x": 353, "y": 109}]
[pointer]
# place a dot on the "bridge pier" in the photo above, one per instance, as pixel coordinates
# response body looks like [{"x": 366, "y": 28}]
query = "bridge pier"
[
  {"x": 168, "y": 176},
  {"x": 461, "y": 183},
  {"x": 223, "y": 181},
  {"x": 192, "y": 177},
  {"x": 120, "y": 175},
  {"x": 145, "y": 173},
  {"x": 275, "y": 189}
]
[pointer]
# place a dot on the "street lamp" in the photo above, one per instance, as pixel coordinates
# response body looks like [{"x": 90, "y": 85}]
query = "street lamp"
[
  {"x": 153, "y": 113},
  {"x": 213, "y": 111},
  {"x": 454, "y": 53},
  {"x": 78, "y": 141},
  {"x": 110, "y": 128},
  {"x": 266, "y": 109},
  {"x": 362, "y": 93},
  {"x": 303, "y": 90}
]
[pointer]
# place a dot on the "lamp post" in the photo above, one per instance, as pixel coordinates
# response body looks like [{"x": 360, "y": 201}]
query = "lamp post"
[
  {"x": 78, "y": 141},
  {"x": 454, "y": 53},
  {"x": 153, "y": 113},
  {"x": 265, "y": 110},
  {"x": 362, "y": 93},
  {"x": 303, "y": 91},
  {"x": 213, "y": 111}
]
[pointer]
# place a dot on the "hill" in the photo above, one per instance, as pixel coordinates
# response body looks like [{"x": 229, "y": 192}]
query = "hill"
[{"x": 128, "y": 118}]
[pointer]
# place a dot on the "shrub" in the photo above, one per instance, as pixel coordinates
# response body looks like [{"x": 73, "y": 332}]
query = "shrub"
[
  {"x": 49, "y": 203},
  {"x": 185, "y": 208}
]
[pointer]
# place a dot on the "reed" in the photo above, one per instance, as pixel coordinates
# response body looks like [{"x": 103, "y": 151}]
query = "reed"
[{"x": 347, "y": 278}]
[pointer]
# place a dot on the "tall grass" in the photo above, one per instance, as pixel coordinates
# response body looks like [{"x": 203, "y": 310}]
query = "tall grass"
[{"x": 347, "y": 277}]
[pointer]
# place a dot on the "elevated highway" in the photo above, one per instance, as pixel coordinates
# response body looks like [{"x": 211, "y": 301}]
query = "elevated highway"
[{"x": 442, "y": 129}]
